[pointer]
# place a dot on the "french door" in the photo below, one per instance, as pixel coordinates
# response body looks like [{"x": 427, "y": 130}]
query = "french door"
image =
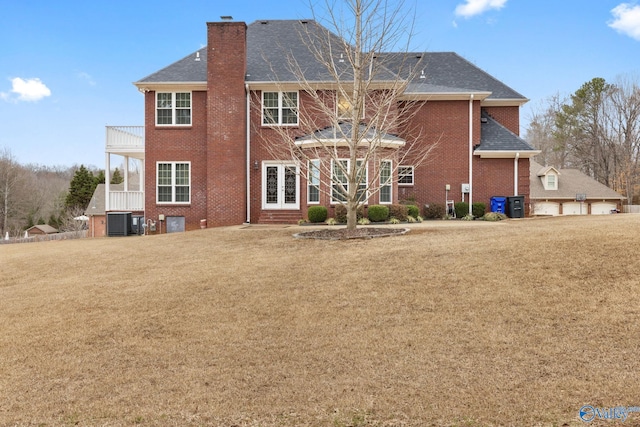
[{"x": 280, "y": 186}]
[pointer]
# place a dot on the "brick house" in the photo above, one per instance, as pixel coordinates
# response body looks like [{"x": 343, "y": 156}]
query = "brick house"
[{"x": 211, "y": 118}]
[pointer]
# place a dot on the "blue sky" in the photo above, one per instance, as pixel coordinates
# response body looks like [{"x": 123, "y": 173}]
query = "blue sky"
[{"x": 66, "y": 67}]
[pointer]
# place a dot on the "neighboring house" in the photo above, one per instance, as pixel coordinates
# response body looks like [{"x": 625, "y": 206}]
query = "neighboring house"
[
  {"x": 569, "y": 192},
  {"x": 40, "y": 229},
  {"x": 210, "y": 117}
]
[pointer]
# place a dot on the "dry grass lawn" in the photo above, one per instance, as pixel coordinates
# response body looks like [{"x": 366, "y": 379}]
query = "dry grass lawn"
[{"x": 516, "y": 323}]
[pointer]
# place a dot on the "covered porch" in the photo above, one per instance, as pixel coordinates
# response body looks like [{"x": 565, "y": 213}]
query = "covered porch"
[{"x": 126, "y": 142}]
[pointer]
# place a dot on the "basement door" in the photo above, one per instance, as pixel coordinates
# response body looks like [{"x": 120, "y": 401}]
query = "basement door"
[{"x": 280, "y": 186}]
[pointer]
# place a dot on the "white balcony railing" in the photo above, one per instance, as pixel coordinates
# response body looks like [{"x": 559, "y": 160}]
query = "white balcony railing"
[
  {"x": 126, "y": 200},
  {"x": 125, "y": 140}
]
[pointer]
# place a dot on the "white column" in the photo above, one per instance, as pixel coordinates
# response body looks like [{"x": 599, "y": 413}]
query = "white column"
[{"x": 107, "y": 180}]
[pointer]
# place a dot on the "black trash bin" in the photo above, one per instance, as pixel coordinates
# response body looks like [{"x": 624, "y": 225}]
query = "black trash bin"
[{"x": 515, "y": 206}]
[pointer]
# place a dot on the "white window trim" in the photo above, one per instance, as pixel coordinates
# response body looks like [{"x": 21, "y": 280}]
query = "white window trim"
[
  {"x": 280, "y": 108},
  {"x": 334, "y": 201},
  {"x": 309, "y": 184},
  {"x": 413, "y": 179},
  {"x": 173, "y": 183},
  {"x": 173, "y": 110},
  {"x": 389, "y": 183},
  {"x": 549, "y": 185}
]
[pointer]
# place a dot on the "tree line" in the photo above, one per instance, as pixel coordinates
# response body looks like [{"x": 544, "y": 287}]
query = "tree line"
[
  {"x": 33, "y": 194},
  {"x": 595, "y": 130}
]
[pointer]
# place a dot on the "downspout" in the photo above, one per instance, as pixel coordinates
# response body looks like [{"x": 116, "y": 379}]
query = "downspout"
[
  {"x": 471, "y": 155},
  {"x": 515, "y": 174},
  {"x": 248, "y": 150}
]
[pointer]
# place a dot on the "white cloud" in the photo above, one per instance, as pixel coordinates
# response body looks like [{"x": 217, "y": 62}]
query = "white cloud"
[
  {"x": 26, "y": 90},
  {"x": 477, "y": 7},
  {"x": 626, "y": 20}
]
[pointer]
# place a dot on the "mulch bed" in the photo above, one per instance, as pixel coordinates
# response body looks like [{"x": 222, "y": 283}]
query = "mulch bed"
[{"x": 344, "y": 234}]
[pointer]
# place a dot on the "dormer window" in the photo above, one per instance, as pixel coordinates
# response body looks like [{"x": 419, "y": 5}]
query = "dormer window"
[{"x": 552, "y": 182}]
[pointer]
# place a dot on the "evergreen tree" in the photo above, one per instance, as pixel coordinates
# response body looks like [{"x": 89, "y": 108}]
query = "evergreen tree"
[
  {"x": 100, "y": 179},
  {"x": 117, "y": 177},
  {"x": 81, "y": 189}
]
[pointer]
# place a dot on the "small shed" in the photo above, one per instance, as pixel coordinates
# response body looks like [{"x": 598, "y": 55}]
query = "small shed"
[{"x": 41, "y": 229}]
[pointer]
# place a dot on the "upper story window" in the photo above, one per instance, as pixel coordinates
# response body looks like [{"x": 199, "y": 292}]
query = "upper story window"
[
  {"x": 344, "y": 107},
  {"x": 173, "y": 108},
  {"x": 173, "y": 182},
  {"x": 552, "y": 182},
  {"x": 279, "y": 108}
]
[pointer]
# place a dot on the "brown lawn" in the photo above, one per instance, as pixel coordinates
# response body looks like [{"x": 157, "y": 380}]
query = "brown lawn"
[{"x": 516, "y": 323}]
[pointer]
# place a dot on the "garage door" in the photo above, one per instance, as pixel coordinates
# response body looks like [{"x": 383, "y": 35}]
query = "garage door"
[
  {"x": 546, "y": 208},
  {"x": 602, "y": 208},
  {"x": 574, "y": 208}
]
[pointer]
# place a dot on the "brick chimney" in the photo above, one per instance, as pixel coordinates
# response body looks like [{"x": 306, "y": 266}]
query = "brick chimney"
[{"x": 226, "y": 122}]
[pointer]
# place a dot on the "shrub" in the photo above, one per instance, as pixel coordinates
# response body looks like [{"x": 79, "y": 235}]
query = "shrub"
[
  {"x": 413, "y": 211},
  {"x": 378, "y": 213},
  {"x": 341, "y": 213},
  {"x": 363, "y": 221},
  {"x": 461, "y": 208},
  {"x": 317, "y": 214},
  {"x": 478, "y": 209},
  {"x": 332, "y": 221},
  {"x": 494, "y": 216},
  {"x": 394, "y": 220},
  {"x": 398, "y": 211},
  {"x": 434, "y": 211}
]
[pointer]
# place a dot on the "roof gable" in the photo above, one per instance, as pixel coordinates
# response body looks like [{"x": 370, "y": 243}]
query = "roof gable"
[{"x": 497, "y": 141}]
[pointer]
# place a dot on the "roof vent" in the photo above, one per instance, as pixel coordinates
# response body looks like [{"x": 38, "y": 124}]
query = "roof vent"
[
  {"x": 422, "y": 76},
  {"x": 227, "y": 18},
  {"x": 304, "y": 21},
  {"x": 483, "y": 120},
  {"x": 197, "y": 56},
  {"x": 341, "y": 58},
  {"x": 264, "y": 22}
]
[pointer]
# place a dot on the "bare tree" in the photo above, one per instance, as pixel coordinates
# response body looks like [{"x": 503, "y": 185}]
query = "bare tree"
[
  {"x": 351, "y": 122},
  {"x": 12, "y": 188}
]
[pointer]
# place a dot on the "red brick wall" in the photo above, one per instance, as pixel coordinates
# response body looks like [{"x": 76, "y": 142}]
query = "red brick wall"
[
  {"x": 508, "y": 117},
  {"x": 226, "y": 130},
  {"x": 177, "y": 144}
]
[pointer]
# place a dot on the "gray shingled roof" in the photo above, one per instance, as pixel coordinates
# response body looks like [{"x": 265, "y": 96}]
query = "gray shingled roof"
[
  {"x": 271, "y": 44},
  {"x": 495, "y": 137},
  {"x": 570, "y": 183}
]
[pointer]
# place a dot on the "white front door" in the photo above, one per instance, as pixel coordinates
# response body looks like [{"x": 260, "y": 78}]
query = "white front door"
[{"x": 280, "y": 186}]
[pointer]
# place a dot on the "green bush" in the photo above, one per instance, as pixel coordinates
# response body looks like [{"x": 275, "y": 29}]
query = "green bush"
[
  {"x": 434, "y": 211},
  {"x": 461, "y": 208},
  {"x": 398, "y": 211},
  {"x": 477, "y": 209},
  {"x": 413, "y": 211},
  {"x": 341, "y": 213},
  {"x": 317, "y": 214},
  {"x": 378, "y": 213}
]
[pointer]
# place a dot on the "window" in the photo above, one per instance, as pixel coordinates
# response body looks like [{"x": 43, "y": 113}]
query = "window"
[
  {"x": 344, "y": 107},
  {"x": 279, "y": 108},
  {"x": 385, "y": 181},
  {"x": 340, "y": 182},
  {"x": 174, "y": 182},
  {"x": 173, "y": 108},
  {"x": 551, "y": 182},
  {"x": 313, "y": 181},
  {"x": 405, "y": 175}
]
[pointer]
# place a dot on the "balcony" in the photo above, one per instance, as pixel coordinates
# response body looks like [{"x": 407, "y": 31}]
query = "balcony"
[{"x": 126, "y": 141}]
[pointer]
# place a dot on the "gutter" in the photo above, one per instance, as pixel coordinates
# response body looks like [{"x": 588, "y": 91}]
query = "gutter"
[{"x": 248, "y": 151}]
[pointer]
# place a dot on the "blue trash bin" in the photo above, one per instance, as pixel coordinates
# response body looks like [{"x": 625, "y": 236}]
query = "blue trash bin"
[{"x": 498, "y": 204}]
